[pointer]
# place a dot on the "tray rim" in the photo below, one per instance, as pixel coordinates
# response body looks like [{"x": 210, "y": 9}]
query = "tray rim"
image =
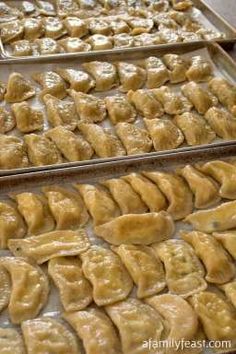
[
  {"x": 36, "y": 178},
  {"x": 197, "y": 3},
  {"x": 216, "y": 152},
  {"x": 184, "y": 48}
]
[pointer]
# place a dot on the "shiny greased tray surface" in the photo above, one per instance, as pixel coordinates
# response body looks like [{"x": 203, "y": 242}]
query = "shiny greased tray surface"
[
  {"x": 222, "y": 63},
  {"x": 203, "y": 12},
  {"x": 94, "y": 174}
]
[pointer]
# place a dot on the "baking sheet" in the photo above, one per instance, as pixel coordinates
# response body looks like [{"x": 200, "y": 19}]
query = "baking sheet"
[
  {"x": 222, "y": 65},
  {"x": 94, "y": 174},
  {"x": 201, "y": 11}
]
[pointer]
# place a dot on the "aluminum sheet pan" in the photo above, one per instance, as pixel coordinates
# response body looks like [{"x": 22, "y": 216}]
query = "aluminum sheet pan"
[
  {"x": 222, "y": 64},
  {"x": 94, "y": 174},
  {"x": 204, "y": 13}
]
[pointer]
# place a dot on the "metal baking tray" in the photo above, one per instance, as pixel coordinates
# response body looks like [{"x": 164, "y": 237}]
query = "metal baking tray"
[
  {"x": 205, "y": 14},
  {"x": 223, "y": 65},
  {"x": 94, "y": 174}
]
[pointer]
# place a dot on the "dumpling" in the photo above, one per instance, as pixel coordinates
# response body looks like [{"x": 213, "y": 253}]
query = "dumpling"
[
  {"x": 12, "y": 152},
  {"x": 184, "y": 272},
  {"x": 104, "y": 74},
  {"x": 60, "y": 113},
  {"x": 48, "y": 335},
  {"x": 205, "y": 189},
  {"x": 140, "y": 25},
  {"x": 187, "y": 36},
  {"x": 145, "y": 39},
  {"x": 195, "y": 129},
  {"x": 53, "y": 27},
  {"x": 225, "y": 174},
  {"x": 181, "y": 320},
  {"x": 41, "y": 150},
  {"x": 164, "y": 133},
  {"x": 228, "y": 241},
  {"x": 137, "y": 323},
  {"x": 51, "y": 83},
  {"x": 222, "y": 122},
  {"x": 9, "y": 13},
  {"x": 73, "y": 147},
  {"x": 34, "y": 208},
  {"x": 74, "y": 45},
  {"x": 96, "y": 330},
  {"x": 177, "y": 66},
  {"x": 100, "y": 42},
  {"x": 29, "y": 291},
  {"x": 118, "y": 25},
  {"x": 74, "y": 289},
  {"x": 33, "y": 28},
  {"x": 28, "y": 119},
  {"x": 45, "y": 8},
  {"x": 163, "y": 20},
  {"x": 103, "y": 141},
  {"x": 12, "y": 31},
  {"x": 168, "y": 19},
  {"x": 148, "y": 192},
  {"x": 66, "y": 207},
  {"x": 22, "y": 48},
  {"x": 160, "y": 5},
  {"x": 176, "y": 192},
  {"x": 18, "y": 89},
  {"x": 172, "y": 103},
  {"x": 225, "y": 91},
  {"x": 78, "y": 79},
  {"x": 135, "y": 140},
  {"x": 132, "y": 77},
  {"x": 11, "y": 341},
  {"x": 5, "y": 292},
  {"x": 220, "y": 218},
  {"x": 47, "y": 46},
  {"x": 109, "y": 278},
  {"x": 200, "y": 98},
  {"x": 119, "y": 109},
  {"x": 139, "y": 229},
  {"x": 100, "y": 26},
  {"x": 75, "y": 26},
  {"x": 230, "y": 291},
  {"x": 220, "y": 268},
  {"x": 128, "y": 200},
  {"x": 112, "y": 5},
  {"x": 53, "y": 244},
  {"x": 146, "y": 103},
  {"x": 217, "y": 316},
  {"x": 7, "y": 121},
  {"x": 170, "y": 35},
  {"x": 89, "y": 5},
  {"x": 28, "y": 8},
  {"x": 2, "y": 90},
  {"x": 189, "y": 24},
  {"x": 157, "y": 73},
  {"x": 200, "y": 69},
  {"x": 145, "y": 269},
  {"x": 123, "y": 40},
  {"x": 90, "y": 108},
  {"x": 11, "y": 224},
  {"x": 66, "y": 7},
  {"x": 181, "y": 5},
  {"x": 99, "y": 203}
]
